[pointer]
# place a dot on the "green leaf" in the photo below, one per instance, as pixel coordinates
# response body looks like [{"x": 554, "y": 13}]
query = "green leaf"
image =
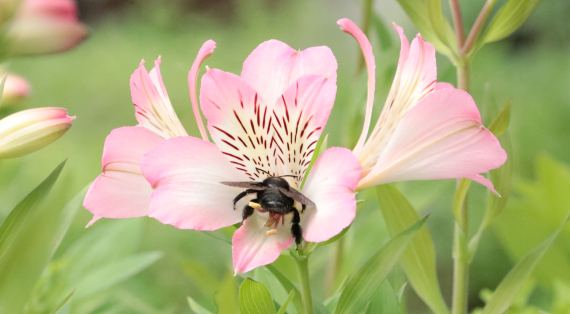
[
  {"x": 440, "y": 24},
  {"x": 509, "y": 19},
  {"x": 255, "y": 298},
  {"x": 335, "y": 238},
  {"x": 196, "y": 307},
  {"x": 288, "y": 285},
  {"x": 110, "y": 274},
  {"x": 417, "y": 11},
  {"x": 286, "y": 303},
  {"x": 28, "y": 239},
  {"x": 515, "y": 279},
  {"x": 418, "y": 259},
  {"x": 226, "y": 297},
  {"x": 63, "y": 302},
  {"x": 362, "y": 286},
  {"x": 501, "y": 179},
  {"x": 385, "y": 301},
  {"x": 501, "y": 122}
]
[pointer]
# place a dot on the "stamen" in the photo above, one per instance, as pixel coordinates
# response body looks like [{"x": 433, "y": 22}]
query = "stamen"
[{"x": 271, "y": 232}]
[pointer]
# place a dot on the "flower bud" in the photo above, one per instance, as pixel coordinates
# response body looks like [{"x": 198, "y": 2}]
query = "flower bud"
[
  {"x": 29, "y": 130},
  {"x": 16, "y": 88},
  {"x": 46, "y": 26}
]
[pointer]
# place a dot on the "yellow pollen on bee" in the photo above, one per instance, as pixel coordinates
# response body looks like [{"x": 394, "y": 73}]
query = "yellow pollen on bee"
[
  {"x": 271, "y": 232},
  {"x": 254, "y": 205}
]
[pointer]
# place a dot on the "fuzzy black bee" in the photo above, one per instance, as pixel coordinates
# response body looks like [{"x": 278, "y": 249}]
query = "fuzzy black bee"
[{"x": 276, "y": 196}]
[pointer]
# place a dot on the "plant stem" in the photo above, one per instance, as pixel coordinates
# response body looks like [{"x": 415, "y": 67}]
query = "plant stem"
[
  {"x": 460, "y": 249},
  {"x": 476, "y": 29},
  {"x": 463, "y": 73},
  {"x": 458, "y": 22},
  {"x": 460, "y": 271},
  {"x": 303, "y": 270}
]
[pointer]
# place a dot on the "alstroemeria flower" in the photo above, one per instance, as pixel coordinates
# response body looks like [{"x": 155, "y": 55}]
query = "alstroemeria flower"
[
  {"x": 426, "y": 130},
  {"x": 269, "y": 119},
  {"x": 121, "y": 191}
]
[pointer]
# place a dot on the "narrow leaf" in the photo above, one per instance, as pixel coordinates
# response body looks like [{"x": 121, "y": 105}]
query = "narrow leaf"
[
  {"x": 418, "y": 259},
  {"x": 110, "y": 274},
  {"x": 196, "y": 307},
  {"x": 362, "y": 286},
  {"x": 288, "y": 285},
  {"x": 385, "y": 301},
  {"x": 28, "y": 239},
  {"x": 501, "y": 122},
  {"x": 63, "y": 302},
  {"x": 255, "y": 298},
  {"x": 283, "y": 308},
  {"x": 417, "y": 11},
  {"x": 226, "y": 297},
  {"x": 440, "y": 24},
  {"x": 509, "y": 18},
  {"x": 510, "y": 286}
]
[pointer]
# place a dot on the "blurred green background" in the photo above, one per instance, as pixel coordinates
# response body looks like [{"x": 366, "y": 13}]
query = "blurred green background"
[{"x": 92, "y": 81}]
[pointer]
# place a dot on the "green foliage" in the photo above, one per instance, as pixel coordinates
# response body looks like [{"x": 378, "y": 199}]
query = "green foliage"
[
  {"x": 255, "y": 298},
  {"x": 28, "y": 238},
  {"x": 362, "y": 286},
  {"x": 92, "y": 266},
  {"x": 288, "y": 285},
  {"x": 509, "y": 19},
  {"x": 515, "y": 279},
  {"x": 440, "y": 24},
  {"x": 418, "y": 259},
  {"x": 385, "y": 301},
  {"x": 227, "y": 296},
  {"x": 539, "y": 208},
  {"x": 502, "y": 120},
  {"x": 283, "y": 308},
  {"x": 2, "y": 88},
  {"x": 422, "y": 16}
]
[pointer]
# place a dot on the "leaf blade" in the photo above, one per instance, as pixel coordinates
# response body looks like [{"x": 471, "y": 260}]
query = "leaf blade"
[
  {"x": 418, "y": 259},
  {"x": 368, "y": 279},
  {"x": 255, "y": 298}
]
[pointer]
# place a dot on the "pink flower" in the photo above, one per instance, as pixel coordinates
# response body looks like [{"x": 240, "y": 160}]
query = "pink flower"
[
  {"x": 45, "y": 26},
  {"x": 268, "y": 120},
  {"x": 426, "y": 130}
]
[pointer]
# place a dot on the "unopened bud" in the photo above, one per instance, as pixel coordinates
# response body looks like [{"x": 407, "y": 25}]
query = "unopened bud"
[
  {"x": 29, "y": 130},
  {"x": 16, "y": 88},
  {"x": 46, "y": 26}
]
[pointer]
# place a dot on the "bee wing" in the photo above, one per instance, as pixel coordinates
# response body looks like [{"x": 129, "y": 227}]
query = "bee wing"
[
  {"x": 246, "y": 185},
  {"x": 296, "y": 195}
]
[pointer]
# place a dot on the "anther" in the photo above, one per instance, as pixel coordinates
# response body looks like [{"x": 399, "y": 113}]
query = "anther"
[{"x": 254, "y": 205}]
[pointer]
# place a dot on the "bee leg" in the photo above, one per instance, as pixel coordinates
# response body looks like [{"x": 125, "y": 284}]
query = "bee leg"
[
  {"x": 242, "y": 195},
  {"x": 247, "y": 211},
  {"x": 296, "y": 229},
  {"x": 303, "y": 206}
]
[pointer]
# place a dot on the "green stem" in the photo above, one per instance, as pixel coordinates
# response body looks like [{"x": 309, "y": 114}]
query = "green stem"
[
  {"x": 303, "y": 270},
  {"x": 460, "y": 249},
  {"x": 463, "y": 73}
]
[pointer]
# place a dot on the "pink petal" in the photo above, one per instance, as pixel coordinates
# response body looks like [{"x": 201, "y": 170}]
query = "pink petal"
[
  {"x": 301, "y": 114},
  {"x": 441, "y": 138},
  {"x": 239, "y": 122},
  {"x": 443, "y": 85},
  {"x": 349, "y": 27},
  {"x": 206, "y": 51},
  {"x": 415, "y": 78},
  {"x": 273, "y": 66},
  {"x": 252, "y": 247},
  {"x": 121, "y": 191},
  {"x": 153, "y": 108},
  {"x": 185, "y": 173},
  {"x": 331, "y": 186}
]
